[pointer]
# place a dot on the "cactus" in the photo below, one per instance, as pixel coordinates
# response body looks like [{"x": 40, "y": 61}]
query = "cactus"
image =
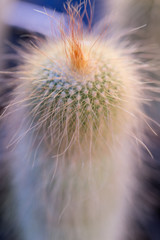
[{"x": 79, "y": 107}]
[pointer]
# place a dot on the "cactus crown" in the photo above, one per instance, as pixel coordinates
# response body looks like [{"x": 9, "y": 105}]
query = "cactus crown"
[{"x": 73, "y": 44}]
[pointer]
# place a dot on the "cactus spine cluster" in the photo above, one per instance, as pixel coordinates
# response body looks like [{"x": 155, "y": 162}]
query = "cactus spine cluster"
[{"x": 69, "y": 103}]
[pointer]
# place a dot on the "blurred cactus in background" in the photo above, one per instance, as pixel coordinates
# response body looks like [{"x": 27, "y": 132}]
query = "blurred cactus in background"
[{"x": 142, "y": 16}]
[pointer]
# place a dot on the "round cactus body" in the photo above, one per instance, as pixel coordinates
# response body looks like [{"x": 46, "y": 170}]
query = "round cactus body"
[{"x": 72, "y": 97}]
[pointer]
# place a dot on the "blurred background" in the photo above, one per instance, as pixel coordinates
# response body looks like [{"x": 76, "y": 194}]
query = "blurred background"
[{"x": 18, "y": 21}]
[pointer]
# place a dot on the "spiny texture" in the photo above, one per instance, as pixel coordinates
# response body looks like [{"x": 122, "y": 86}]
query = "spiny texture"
[{"x": 68, "y": 103}]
